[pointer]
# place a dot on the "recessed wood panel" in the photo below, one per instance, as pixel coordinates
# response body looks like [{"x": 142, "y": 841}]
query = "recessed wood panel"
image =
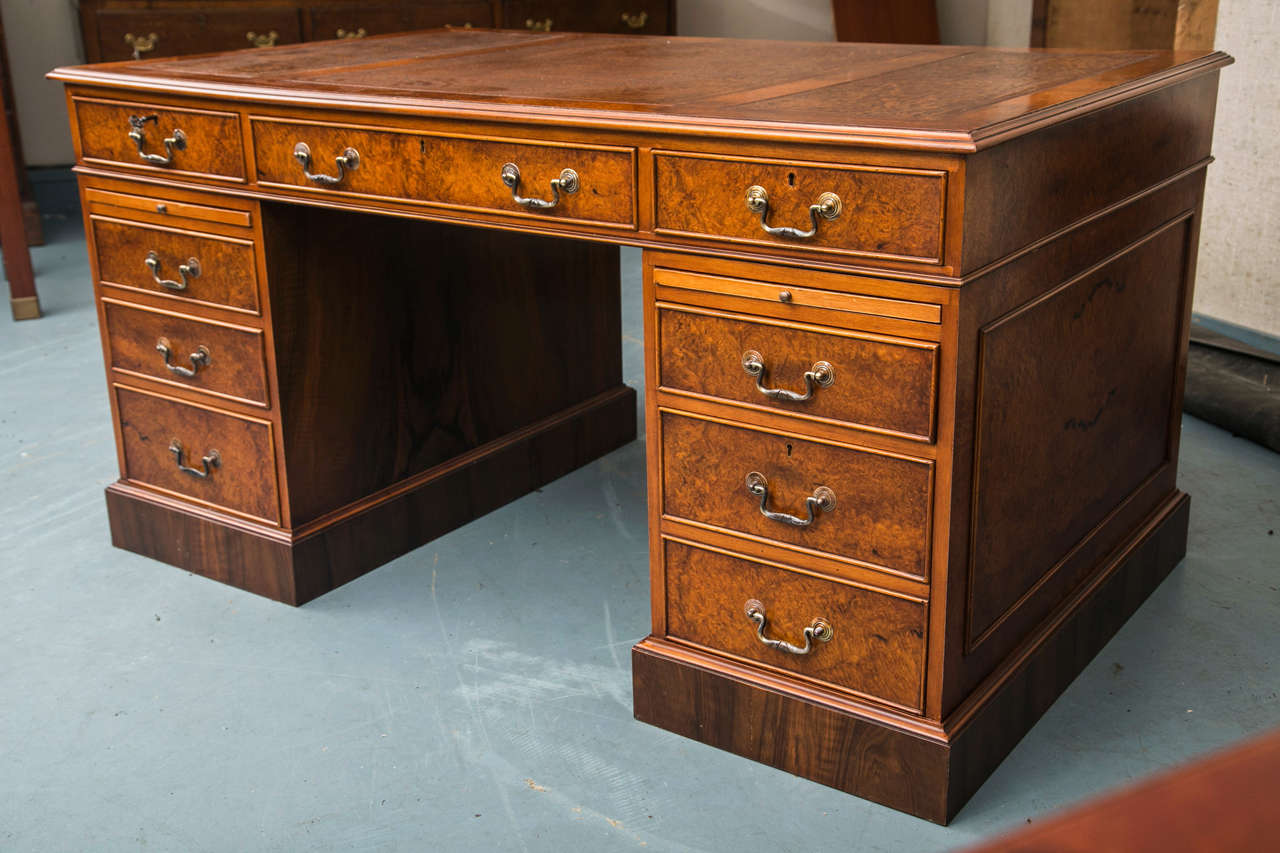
[
  {"x": 243, "y": 481},
  {"x": 878, "y": 383},
  {"x": 233, "y": 363},
  {"x": 877, "y": 643},
  {"x": 212, "y": 147},
  {"x": 881, "y": 517},
  {"x": 894, "y": 214},
  {"x": 1075, "y": 398}
]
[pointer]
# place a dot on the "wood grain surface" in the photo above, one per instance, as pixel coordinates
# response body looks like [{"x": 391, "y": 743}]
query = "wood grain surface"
[
  {"x": 877, "y": 644},
  {"x": 879, "y": 383},
  {"x": 213, "y": 146},
  {"x": 235, "y": 366},
  {"x": 881, "y": 516},
  {"x": 244, "y": 480},
  {"x": 228, "y": 273}
]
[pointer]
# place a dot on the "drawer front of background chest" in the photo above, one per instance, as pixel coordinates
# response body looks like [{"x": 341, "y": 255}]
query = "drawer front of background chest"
[
  {"x": 880, "y": 213},
  {"x": 483, "y": 174},
  {"x": 158, "y": 138},
  {"x": 875, "y": 640}
]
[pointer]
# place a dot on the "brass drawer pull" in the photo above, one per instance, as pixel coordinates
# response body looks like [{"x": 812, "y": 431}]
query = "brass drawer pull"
[
  {"x": 262, "y": 39},
  {"x": 819, "y": 629},
  {"x": 543, "y": 26},
  {"x": 189, "y": 270},
  {"x": 199, "y": 359},
  {"x": 208, "y": 462},
  {"x": 177, "y": 142},
  {"x": 822, "y": 375},
  {"x": 141, "y": 44},
  {"x": 822, "y": 499},
  {"x": 828, "y": 207},
  {"x": 348, "y": 161},
  {"x": 568, "y": 182},
  {"x": 351, "y": 34},
  {"x": 635, "y": 22}
]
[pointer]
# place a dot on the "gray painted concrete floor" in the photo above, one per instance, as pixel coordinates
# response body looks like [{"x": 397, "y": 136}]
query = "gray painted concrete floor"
[{"x": 476, "y": 693}]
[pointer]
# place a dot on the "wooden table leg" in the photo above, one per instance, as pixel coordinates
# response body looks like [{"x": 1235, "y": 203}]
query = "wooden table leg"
[{"x": 13, "y": 236}]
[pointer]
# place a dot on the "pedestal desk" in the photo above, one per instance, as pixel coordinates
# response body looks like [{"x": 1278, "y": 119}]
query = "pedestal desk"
[{"x": 915, "y": 318}]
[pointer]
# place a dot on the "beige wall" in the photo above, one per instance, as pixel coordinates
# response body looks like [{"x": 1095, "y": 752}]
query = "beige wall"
[
  {"x": 800, "y": 20},
  {"x": 39, "y": 35},
  {"x": 1238, "y": 277}
]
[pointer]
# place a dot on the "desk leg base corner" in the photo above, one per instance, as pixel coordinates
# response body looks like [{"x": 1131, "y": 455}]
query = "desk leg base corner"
[
  {"x": 25, "y": 307},
  {"x": 692, "y": 694},
  {"x": 294, "y": 569}
]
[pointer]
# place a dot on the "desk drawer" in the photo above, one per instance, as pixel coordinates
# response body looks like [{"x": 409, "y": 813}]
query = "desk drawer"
[
  {"x": 156, "y": 259},
  {"x": 450, "y": 171},
  {"x": 202, "y": 29},
  {"x": 202, "y": 143},
  {"x": 851, "y": 379},
  {"x": 215, "y": 358},
  {"x": 240, "y": 474},
  {"x": 879, "y": 504},
  {"x": 876, "y": 646},
  {"x": 883, "y": 213}
]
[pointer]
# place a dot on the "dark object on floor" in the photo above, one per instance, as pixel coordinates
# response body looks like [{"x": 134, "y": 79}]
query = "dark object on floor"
[
  {"x": 904, "y": 22},
  {"x": 1220, "y": 804},
  {"x": 1233, "y": 385}
]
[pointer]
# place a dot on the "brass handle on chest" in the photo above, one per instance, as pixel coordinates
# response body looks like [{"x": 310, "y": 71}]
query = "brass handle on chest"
[
  {"x": 828, "y": 207},
  {"x": 819, "y": 629},
  {"x": 177, "y": 142},
  {"x": 358, "y": 33},
  {"x": 187, "y": 271},
  {"x": 635, "y": 22},
  {"x": 199, "y": 359},
  {"x": 208, "y": 462},
  {"x": 567, "y": 182},
  {"x": 822, "y": 499},
  {"x": 262, "y": 39},
  {"x": 821, "y": 375},
  {"x": 141, "y": 44},
  {"x": 543, "y": 26},
  {"x": 348, "y": 161}
]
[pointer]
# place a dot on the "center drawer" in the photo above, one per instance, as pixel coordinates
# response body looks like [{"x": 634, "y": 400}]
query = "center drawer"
[
  {"x": 451, "y": 171},
  {"x": 868, "y": 508}
]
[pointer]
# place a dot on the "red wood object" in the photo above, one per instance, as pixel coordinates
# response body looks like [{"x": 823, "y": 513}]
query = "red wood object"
[
  {"x": 23, "y": 300},
  {"x": 1221, "y": 804},
  {"x": 915, "y": 318}
]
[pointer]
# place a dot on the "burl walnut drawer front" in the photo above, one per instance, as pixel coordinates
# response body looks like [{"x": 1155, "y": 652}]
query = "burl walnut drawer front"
[
  {"x": 874, "y": 641},
  {"x": 850, "y": 504},
  {"x": 859, "y": 380},
  {"x": 215, "y": 358},
  {"x": 198, "y": 453},
  {"x": 176, "y": 262},
  {"x": 870, "y": 211},
  {"x": 201, "y": 143},
  {"x": 590, "y": 184}
]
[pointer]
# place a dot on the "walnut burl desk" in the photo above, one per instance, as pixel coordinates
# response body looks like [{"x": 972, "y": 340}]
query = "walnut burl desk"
[{"x": 916, "y": 325}]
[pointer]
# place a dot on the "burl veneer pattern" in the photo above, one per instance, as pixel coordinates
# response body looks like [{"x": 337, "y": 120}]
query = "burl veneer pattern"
[
  {"x": 1004, "y": 298},
  {"x": 212, "y": 146},
  {"x": 879, "y": 383}
]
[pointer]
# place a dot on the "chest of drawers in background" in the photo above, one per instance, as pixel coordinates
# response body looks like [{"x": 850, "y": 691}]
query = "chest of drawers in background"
[{"x": 123, "y": 29}]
